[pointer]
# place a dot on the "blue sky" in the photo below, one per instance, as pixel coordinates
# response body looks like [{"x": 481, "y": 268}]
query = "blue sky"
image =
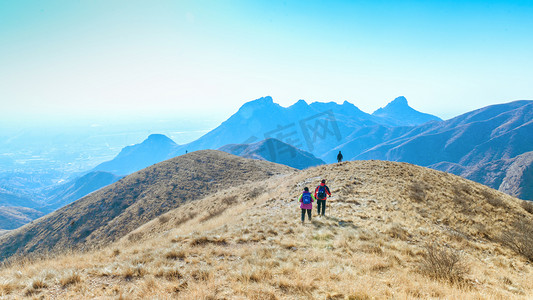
[{"x": 129, "y": 59}]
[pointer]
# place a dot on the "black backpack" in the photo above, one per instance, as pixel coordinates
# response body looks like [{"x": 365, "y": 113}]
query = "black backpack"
[{"x": 321, "y": 192}]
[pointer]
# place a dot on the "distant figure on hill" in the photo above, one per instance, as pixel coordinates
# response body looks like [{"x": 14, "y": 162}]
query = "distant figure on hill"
[
  {"x": 321, "y": 194},
  {"x": 339, "y": 157},
  {"x": 307, "y": 200}
]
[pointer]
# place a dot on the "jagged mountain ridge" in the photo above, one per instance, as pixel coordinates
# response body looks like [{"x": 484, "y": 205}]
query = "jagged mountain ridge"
[
  {"x": 315, "y": 127},
  {"x": 276, "y": 151}
]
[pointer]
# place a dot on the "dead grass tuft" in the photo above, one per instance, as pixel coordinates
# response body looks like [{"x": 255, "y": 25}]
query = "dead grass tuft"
[
  {"x": 169, "y": 273},
  {"x": 527, "y": 206},
  {"x": 7, "y": 287},
  {"x": 493, "y": 199},
  {"x": 201, "y": 274},
  {"x": 214, "y": 212},
  {"x": 163, "y": 219},
  {"x": 443, "y": 264},
  {"x": 204, "y": 240},
  {"x": 418, "y": 191},
  {"x": 135, "y": 237},
  {"x": 398, "y": 232},
  {"x": 35, "y": 286},
  {"x": 175, "y": 254},
  {"x": 520, "y": 238},
  {"x": 132, "y": 272},
  {"x": 256, "y": 192},
  {"x": 70, "y": 279}
]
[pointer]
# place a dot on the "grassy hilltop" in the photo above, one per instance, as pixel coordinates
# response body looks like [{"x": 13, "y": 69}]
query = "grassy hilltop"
[{"x": 392, "y": 230}]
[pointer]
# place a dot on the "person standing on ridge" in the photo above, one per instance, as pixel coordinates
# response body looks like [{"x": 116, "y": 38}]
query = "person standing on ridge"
[
  {"x": 339, "y": 157},
  {"x": 307, "y": 200},
  {"x": 321, "y": 194}
]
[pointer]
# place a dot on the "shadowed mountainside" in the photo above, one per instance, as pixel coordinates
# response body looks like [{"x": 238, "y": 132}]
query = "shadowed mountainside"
[
  {"x": 9, "y": 199},
  {"x": 112, "y": 212},
  {"x": 473, "y": 141},
  {"x": 154, "y": 149},
  {"x": 275, "y": 151},
  {"x": 77, "y": 188},
  {"x": 12, "y": 217}
]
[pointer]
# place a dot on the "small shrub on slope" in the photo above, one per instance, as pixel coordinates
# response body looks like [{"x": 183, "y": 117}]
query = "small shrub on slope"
[
  {"x": 520, "y": 238},
  {"x": 527, "y": 206},
  {"x": 443, "y": 264}
]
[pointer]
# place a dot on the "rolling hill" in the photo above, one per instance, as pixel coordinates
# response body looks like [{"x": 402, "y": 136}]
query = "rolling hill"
[
  {"x": 76, "y": 189},
  {"x": 156, "y": 148},
  {"x": 111, "y": 212},
  {"x": 12, "y": 217},
  {"x": 392, "y": 230},
  {"x": 276, "y": 151}
]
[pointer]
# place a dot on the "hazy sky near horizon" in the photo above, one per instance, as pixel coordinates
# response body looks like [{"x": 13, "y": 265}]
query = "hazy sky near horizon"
[{"x": 125, "y": 59}]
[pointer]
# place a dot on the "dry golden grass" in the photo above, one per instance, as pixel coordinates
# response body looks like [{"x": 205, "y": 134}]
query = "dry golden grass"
[
  {"x": 114, "y": 211},
  {"x": 388, "y": 228}
]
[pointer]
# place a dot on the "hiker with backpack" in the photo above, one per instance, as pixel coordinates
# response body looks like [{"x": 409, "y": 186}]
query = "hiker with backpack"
[
  {"x": 307, "y": 199},
  {"x": 321, "y": 194}
]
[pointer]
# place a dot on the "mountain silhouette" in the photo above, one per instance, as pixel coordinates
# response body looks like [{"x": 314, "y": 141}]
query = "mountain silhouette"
[
  {"x": 77, "y": 188},
  {"x": 276, "y": 151},
  {"x": 154, "y": 149},
  {"x": 12, "y": 217},
  {"x": 399, "y": 113}
]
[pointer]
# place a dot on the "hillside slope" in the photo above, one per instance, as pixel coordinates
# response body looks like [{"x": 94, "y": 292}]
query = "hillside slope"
[
  {"x": 276, "y": 151},
  {"x": 77, "y": 188},
  {"x": 464, "y": 144},
  {"x": 112, "y": 212},
  {"x": 387, "y": 229},
  {"x": 156, "y": 148},
  {"x": 12, "y": 217}
]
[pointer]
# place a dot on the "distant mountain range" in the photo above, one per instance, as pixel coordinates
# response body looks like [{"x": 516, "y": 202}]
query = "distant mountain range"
[
  {"x": 315, "y": 128},
  {"x": 468, "y": 145},
  {"x": 465, "y": 145},
  {"x": 275, "y": 151},
  {"x": 492, "y": 145}
]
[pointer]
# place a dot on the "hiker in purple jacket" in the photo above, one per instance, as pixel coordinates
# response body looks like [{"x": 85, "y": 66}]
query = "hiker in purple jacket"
[{"x": 307, "y": 200}]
